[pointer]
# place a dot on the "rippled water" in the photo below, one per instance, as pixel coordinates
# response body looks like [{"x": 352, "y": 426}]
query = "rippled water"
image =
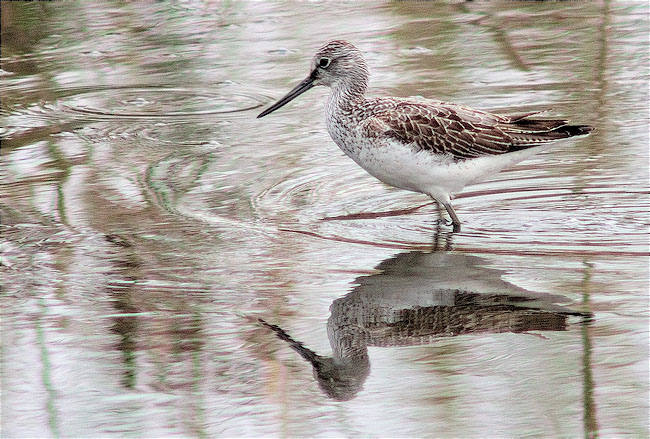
[{"x": 173, "y": 266}]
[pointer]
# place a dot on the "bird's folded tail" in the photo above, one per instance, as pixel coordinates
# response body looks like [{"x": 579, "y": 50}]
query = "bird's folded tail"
[{"x": 526, "y": 133}]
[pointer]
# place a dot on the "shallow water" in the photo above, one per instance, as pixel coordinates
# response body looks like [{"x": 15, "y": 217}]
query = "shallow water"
[{"x": 149, "y": 221}]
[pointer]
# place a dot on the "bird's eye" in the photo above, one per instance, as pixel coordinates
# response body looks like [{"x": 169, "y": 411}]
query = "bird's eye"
[{"x": 324, "y": 62}]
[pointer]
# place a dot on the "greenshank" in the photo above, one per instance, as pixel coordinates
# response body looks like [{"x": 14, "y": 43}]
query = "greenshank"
[{"x": 427, "y": 146}]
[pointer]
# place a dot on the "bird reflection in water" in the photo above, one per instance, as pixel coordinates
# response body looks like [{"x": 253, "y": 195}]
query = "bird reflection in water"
[{"x": 416, "y": 299}]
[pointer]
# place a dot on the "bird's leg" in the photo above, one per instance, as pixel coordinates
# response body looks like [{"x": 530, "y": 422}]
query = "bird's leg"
[
  {"x": 441, "y": 216},
  {"x": 454, "y": 218}
]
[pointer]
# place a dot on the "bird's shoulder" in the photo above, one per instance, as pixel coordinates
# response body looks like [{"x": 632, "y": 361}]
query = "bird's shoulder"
[{"x": 421, "y": 110}]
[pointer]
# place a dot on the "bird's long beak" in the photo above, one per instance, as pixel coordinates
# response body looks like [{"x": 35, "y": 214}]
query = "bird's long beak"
[{"x": 297, "y": 91}]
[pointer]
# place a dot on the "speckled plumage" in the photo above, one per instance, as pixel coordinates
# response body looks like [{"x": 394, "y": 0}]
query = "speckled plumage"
[{"x": 417, "y": 144}]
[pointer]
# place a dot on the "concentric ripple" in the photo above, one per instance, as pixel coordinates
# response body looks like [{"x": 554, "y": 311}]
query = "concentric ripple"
[
  {"x": 150, "y": 113},
  {"x": 161, "y": 102},
  {"x": 150, "y": 105},
  {"x": 196, "y": 186}
]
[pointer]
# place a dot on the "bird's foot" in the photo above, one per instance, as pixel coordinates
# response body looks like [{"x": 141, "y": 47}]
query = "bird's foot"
[
  {"x": 454, "y": 225},
  {"x": 443, "y": 222}
]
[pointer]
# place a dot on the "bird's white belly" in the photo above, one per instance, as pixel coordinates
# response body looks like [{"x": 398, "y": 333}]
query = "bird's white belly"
[{"x": 439, "y": 176}]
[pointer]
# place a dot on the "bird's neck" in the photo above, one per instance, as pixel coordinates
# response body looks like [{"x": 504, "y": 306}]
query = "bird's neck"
[{"x": 345, "y": 94}]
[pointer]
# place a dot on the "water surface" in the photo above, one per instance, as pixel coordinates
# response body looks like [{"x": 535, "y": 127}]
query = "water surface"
[{"x": 173, "y": 266}]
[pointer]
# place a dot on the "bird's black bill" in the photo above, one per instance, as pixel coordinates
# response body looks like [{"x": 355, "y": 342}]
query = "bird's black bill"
[{"x": 297, "y": 91}]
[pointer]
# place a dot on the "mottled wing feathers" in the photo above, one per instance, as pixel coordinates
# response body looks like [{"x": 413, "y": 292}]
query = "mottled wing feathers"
[{"x": 462, "y": 132}]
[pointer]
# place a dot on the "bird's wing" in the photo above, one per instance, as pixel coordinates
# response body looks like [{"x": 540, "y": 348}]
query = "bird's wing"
[{"x": 463, "y": 132}]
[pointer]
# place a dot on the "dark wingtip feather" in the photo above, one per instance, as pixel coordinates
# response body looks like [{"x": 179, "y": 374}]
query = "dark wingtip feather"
[
  {"x": 527, "y": 133},
  {"x": 575, "y": 130},
  {"x": 553, "y": 128}
]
